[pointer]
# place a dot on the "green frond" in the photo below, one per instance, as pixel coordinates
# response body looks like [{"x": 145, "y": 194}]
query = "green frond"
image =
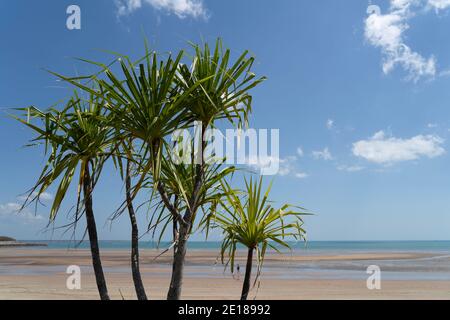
[{"x": 248, "y": 218}]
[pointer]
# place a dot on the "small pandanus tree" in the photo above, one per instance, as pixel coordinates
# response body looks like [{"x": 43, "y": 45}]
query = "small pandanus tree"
[
  {"x": 249, "y": 219},
  {"x": 179, "y": 182},
  {"x": 78, "y": 141}
]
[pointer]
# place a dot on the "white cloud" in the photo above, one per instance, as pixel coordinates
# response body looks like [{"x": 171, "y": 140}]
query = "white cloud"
[
  {"x": 181, "y": 8},
  {"x": 386, "y": 31},
  {"x": 300, "y": 152},
  {"x": 11, "y": 210},
  {"x": 125, "y": 7},
  {"x": 301, "y": 175},
  {"x": 389, "y": 150},
  {"x": 439, "y": 4},
  {"x": 262, "y": 163},
  {"x": 432, "y": 125},
  {"x": 350, "y": 168},
  {"x": 444, "y": 73},
  {"x": 323, "y": 154},
  {"x": 286, "y": 166},
  {"x": 45, "y": 196},
  {"x": 330, "y": 124}
]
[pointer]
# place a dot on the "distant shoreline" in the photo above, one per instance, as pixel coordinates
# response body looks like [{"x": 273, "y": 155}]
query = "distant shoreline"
[
  {"x": 311, "y": 247},
  {"x": 9, "y": 244}
]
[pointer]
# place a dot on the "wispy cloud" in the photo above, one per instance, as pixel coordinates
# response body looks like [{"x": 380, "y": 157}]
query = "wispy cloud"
[
  {"x": 439, "y": 4},
  {"x": 330, "y": 124},
  {"x": 324, "y": 154},
  {"x": 286, "y": 166},
  {"x": 11, "y": 211},
  {"x": 181, "y": 8},
  {"x": 387, "y": 150},
  {"x": 45, "y": 196},
  {"x": 301, "y": 175},
  {"x": 386, "y": 31},
  {"x": 444, "y": 73},
  {"x": 350, "y": 168}
]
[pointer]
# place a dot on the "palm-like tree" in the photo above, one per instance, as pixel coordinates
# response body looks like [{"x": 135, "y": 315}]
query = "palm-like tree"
[
  {"x": 218, "y": 90},
  {"x": 152, "y": 98},
  {"x": 77, "y": 139},
  {"x": 125, "y": 152},
  {"x": 178, "y": 181},
  {"x": 145, "y": 106},
  {"x": 249, "y": 219}
]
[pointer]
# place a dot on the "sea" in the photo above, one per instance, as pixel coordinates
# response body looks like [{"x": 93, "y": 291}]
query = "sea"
[
  {"x": 306, "y": 247},
  {"x": 430, "y": 260}
]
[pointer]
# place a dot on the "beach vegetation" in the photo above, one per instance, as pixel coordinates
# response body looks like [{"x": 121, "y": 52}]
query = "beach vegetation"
[
  {"x": 77, "y": 141},
  {"x": 249, "y": 218},
  {"x": 132, "y": 111},
  {"x": 151, "y": 98}
]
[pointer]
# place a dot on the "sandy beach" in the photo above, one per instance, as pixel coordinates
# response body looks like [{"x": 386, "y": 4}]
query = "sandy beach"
[{"x": 41, "y": 274}]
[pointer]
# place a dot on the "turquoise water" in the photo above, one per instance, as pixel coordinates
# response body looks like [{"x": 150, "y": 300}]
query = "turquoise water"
[
  {"x": 434, "y": 265},
  {"x": 311, "y": 246}
]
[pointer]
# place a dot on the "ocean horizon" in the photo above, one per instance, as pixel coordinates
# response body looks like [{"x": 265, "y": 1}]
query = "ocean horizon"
[{"x": 310, "y": 246}]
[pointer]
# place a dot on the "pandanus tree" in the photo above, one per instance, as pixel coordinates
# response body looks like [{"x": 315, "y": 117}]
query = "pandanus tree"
[
  {"x": 178, "y": 179},
  {"x": 124, "y": 151},
  {"x": 78, "y": 141},
  {"x": 218, "y": 90},
  {"x": 249, "y": 219},
  {"x": 152, "y": 98},
  {"x": 145, "y": 108}
]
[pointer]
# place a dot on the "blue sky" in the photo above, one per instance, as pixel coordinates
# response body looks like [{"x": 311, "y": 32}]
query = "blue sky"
[{"x": 364, "y": 96}]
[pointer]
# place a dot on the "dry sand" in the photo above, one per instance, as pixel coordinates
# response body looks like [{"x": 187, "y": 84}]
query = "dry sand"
[{"x": 40, "y": 274}]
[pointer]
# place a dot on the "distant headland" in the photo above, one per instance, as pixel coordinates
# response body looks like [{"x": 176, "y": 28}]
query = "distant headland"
[{"x": 11, "y": 242}]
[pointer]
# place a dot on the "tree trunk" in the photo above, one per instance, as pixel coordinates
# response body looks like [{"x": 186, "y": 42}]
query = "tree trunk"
[
  {"x": 93, "y": 238},
  {"x": 176, "y": 281},
  {"x": 174, "y": 235},
  {"x": 248, "y": 275},
  {"x": 137, "y": 279}
]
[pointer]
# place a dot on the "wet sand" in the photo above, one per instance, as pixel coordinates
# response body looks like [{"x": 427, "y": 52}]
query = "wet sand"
[{"x": 40, "y": 274}]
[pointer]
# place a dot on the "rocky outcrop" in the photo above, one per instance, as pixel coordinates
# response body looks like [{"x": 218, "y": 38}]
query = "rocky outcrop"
[
  {"x": 11, "y": 242},
  {"x": 2, "y": 238}
]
